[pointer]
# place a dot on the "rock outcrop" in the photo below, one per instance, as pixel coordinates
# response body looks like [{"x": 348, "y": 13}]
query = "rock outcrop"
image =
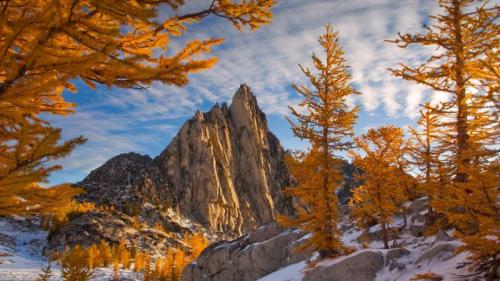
[
  {"x": 361, "y": 266},
  {"x": 128, "y": 181},
  {"x": 226, "y": 168},
  {"x": 222, "y": 173},
  {"x": 248, "y": 258},
  {"x": 114, "y": 226}
]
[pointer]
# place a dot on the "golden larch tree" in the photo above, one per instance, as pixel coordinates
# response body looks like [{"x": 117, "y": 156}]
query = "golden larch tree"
[
  {"x": 74, "y": 266},
  {"x": 105, "y": 254},
  {"x": 466, "y": 67},
  {"x": 197, "y": 242},
  {"x": 46, "y": 45},
  {"x": 327, "y": 123},
  {"x": 463, "y": 36},
  {"x": 382, "y": 193},
  {"x": 425, "y": 154},
  {"x": 138, "y": 262},
  {"x": 93, "y": 256}
]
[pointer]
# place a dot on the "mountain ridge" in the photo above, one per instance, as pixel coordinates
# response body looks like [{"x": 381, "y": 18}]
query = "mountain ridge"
[{"x": 222, "y": 174}]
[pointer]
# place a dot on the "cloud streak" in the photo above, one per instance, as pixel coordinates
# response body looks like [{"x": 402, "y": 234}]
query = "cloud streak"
[{"x": 117, "y": 121}]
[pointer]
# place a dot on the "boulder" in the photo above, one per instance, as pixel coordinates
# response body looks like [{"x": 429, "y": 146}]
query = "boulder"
[
  {"x": 368, "y": 236},
  {"x": 442, "y": 236},
  {"x": 265, "y": 232},
  {"x": 418, "y": 205},
  {"x": 359, "y": 267},
  {"x": 417, "y": 230},
  {"x": 395, "y": 254},
  {"x": 248, "y": 258},
  {"x": 441, "y": 252}
]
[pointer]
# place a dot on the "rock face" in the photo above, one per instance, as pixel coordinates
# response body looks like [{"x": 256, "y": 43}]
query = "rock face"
[
  {"x": 248, "y": 258},
  {"x": 359, "y": 267},
  {"x": 112, "y": 226},
  {"x": 227, "y": 168},
  {"x": 223, "y": 170},
  {"x": 128, "y": 181}
]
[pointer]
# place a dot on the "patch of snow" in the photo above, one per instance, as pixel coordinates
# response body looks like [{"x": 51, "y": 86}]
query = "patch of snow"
[{"x": 293, "y": 272}]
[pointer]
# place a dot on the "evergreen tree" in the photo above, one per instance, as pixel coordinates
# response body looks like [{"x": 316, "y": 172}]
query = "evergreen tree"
[
  {"x": 426, "y": 153},
  {"x": 93, "y": 256},
  {"x": 466, "y": 69},
  {"x": 465, "y": 35},
  {"x": 46, "y": 273},
  {"x": 116, "y": 270},
  {"x": 138, "y": 262},
  {"x": 381, "y": 195},
  {"x": 46, "y": 44},
  {"x": 105, "y": 254},
  {"x": 327, "y": 124},
  {"x": 74, "y": 265}
]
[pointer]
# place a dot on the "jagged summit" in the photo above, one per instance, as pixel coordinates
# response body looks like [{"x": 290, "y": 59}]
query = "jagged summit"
[
  {"x": 223, "y": 170},
  {"x": 227, "y": 167}
]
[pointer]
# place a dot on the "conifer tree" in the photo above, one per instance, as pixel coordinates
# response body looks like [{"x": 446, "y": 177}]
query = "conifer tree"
[
  {"x": 198, "y": 242},
  {"x": 45, "y": 45},
  {"x": 147, "y": 275},
  {"x": 116, "y": 270},
  {"x": 138, "y": 262},
  {"x": 465, "y": 35},
  {"x": 105, "y": 254},
  {"x": 46, "y": 273},
  {"x": 178, "y": 264},
  {"x": 425, "y": 144},
  {"x": 381, "y": 195},
  {"x": 327, "y": 124},
  {"x": 74, "y": 265},
  {"x": 93, "y": 256},
  {"x": 125, "y": 259},
  {"x": 426, "y": 154},
  {"x": 466, "y": 68}
]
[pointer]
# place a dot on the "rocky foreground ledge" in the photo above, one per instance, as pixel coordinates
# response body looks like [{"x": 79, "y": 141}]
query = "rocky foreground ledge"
[{"x": 269, "y": 254}]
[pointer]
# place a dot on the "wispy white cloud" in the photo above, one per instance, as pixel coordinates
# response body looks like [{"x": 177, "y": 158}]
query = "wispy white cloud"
[{"x": 266, "y": 60}]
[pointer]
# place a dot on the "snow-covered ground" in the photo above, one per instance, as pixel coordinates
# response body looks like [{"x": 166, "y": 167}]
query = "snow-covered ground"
[
  {"x": 426, "y": 254},
  {"x": 21, "y": 246}
]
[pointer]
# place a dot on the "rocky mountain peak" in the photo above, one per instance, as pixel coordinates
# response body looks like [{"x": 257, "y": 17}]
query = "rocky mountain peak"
[
  {"x": 244, "y": 109},
  {"x": 223, "y": 170},
  {"x": 227, "y": 167}
]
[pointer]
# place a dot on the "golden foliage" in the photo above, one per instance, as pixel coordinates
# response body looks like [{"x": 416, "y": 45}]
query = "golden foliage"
[
  {"x": 466, "y": 68},
  {"x": 166, "y": 268},
  {"x": 382, "y": 162},
  {"x": 326, "y": 123},
  {"x": 24, "y": 150},
  {"x": 197, "y": 243},
  {"x": 464, "y": 36},
  {"x": 93, "y": 256},
  {"x": 74, "y": 266},
  {"x": 105, "y": 253},
  {"x": 45, "y": 45},
  {"x": 430, "y": 276}
]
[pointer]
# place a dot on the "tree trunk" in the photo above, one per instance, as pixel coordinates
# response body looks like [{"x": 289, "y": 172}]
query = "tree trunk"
[
  {"x": 462, "y": 108},
  {"x": 385, "y": 236}
]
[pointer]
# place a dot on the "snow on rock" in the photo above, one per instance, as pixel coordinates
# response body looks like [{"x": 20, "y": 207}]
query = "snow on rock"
[
  {"x": 359, "y": 266},
  {"x": 293, "y": 272},
  {"x": 21, "y": 245},
  {"x": 409, "y": 255}
]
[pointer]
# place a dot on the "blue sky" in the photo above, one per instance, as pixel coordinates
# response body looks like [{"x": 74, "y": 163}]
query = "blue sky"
[{"x": 117, "y": 121}]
